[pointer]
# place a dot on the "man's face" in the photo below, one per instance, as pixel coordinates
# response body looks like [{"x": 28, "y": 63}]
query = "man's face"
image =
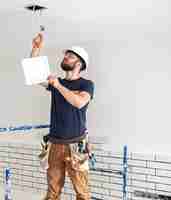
[{"x": 69, "y": 61}]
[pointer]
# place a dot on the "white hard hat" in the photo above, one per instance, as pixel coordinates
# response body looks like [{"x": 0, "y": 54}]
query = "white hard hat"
[{"x": 81, "y": 52}]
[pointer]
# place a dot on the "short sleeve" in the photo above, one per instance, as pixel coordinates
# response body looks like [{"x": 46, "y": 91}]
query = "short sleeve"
[{"x": 88, "y": 86}]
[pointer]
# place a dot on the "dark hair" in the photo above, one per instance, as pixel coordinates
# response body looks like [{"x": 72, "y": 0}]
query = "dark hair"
[{"x": 83, "y": 63}]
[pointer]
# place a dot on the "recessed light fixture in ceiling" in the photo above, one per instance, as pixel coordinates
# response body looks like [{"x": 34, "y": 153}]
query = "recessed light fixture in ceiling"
[{"x": 35, "y": 7}]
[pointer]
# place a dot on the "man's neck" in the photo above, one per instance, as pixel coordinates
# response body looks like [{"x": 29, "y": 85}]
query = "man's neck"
[{"x": 71, "y": 76}]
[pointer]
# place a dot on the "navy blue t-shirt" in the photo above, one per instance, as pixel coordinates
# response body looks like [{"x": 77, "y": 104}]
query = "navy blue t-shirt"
[{"x": 67, "y": 121}]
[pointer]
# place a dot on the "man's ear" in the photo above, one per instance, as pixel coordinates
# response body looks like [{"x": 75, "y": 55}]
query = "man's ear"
[{"x": 79, "y": 64}]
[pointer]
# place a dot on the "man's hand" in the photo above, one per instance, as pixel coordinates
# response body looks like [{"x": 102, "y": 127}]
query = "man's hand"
[
  {"x": 38, "y": 41},
  {"x": 37, "y": 44},
  {"x": 52, "y": 80}
]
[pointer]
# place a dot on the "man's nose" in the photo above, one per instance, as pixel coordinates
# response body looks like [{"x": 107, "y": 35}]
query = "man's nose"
[
  {"x": 65, "y": 60},
  {"x": 65, "y": 57}
]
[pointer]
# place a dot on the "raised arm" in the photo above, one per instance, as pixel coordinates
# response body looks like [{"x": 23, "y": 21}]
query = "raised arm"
[{"x": 37, "y": 45}]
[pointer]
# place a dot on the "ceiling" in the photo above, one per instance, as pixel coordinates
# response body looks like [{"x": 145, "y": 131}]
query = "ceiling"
[
  {"x": 90, "y": 20},
  {"x": 103, "y": 11}
]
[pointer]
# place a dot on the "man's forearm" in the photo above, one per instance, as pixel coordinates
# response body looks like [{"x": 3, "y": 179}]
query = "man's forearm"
[
  {"x": 35, "y": 52},
  {"x": 70, "y": 96}
]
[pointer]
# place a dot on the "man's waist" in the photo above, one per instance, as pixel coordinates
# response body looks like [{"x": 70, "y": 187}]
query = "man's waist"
[{"x": 57, "y": 140}]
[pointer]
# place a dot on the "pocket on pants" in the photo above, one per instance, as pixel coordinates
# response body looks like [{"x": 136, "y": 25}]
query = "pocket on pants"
[{"x": 79, "y": 160}]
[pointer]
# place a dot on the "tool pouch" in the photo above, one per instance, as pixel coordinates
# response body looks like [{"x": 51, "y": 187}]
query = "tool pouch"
[
  {"x": 80, "y": 154},
  {"x": 43, "y": 156}
]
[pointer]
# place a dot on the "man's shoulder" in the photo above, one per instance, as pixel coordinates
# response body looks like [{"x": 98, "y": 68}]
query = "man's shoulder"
[{"x": 84, "y": 80}]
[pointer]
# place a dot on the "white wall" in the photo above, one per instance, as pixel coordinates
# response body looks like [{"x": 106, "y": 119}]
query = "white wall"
[{"x": 130, "y": 64}]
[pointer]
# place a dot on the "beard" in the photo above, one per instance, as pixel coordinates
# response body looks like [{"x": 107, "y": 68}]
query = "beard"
[{"x": 66, "y": 67}]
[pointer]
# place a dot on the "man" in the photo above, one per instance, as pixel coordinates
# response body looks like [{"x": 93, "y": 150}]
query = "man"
[{"x": 70, "y": 97}]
